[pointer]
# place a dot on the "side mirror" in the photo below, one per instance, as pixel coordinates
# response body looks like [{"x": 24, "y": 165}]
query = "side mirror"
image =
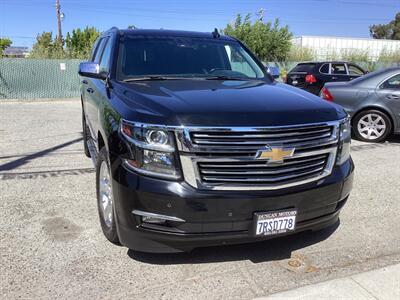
[
  {"x": 274, "y": 72},
  {"x": 92, "y": 70}
]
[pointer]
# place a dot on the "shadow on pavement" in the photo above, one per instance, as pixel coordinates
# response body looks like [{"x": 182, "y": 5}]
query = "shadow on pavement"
[
  {"x": 395, "y": 139},
  {"x": 46, "y": 174},
  {"x": 25, "y": 159},
  {"x": 270, "y": 250}
]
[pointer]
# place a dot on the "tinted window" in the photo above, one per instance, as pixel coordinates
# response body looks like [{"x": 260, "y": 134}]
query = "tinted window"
[
  {"x": 185, "y": 57},
  {"x": 105, "y": 58},
  {"x": 238, "y": 62},
  {"x": 392, "y": 83},
  {"x": 338, "y": 69},
  {"x": 303, "y": 68},
  {"x": 354, "y": 70},
  {"x": 94, "y": 50},
  {"x": 324, "y": 69},
  {"x": 99, "y": 50}
]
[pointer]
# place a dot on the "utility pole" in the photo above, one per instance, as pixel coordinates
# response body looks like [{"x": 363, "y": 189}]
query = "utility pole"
[
  {"x": 260, "y": 14},
  {"x": 58, "y": 7}
]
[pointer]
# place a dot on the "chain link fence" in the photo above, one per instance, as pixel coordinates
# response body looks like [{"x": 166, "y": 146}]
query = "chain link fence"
[
  {"x": 58, "y": 78},
  {"x": 38, "y": 78}
]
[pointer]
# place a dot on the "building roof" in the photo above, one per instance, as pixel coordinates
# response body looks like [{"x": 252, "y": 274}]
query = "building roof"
[
  {"x": 344, "y": 38},
  {"x": 14, "y": 50}
]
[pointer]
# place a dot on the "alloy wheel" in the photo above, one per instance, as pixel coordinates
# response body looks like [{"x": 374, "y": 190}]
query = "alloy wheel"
[
  {"x": 105, "y": 194},
  {"x": 371, "y": 126}
]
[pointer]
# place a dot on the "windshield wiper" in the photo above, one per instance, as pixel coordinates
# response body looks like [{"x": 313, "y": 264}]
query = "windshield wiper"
[
  {"x": 151, "y": 77},
  {"x": 223, "y": 77}
]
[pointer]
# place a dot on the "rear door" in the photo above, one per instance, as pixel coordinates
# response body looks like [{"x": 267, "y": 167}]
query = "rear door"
[
  {"x": 338, "y": 72},
  {"x": 354, "y": 71},
  {"x": 389, "y": 93}
]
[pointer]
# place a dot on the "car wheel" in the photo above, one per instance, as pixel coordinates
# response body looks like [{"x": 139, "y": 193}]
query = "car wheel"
[
  {"x": 105, "y": 198},
  {"x": 372, "y": 126},
  {"x": 85, "y": 135}
]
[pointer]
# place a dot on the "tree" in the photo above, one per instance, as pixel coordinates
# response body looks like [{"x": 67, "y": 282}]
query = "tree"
[
  {"x": 80, "y": 42},
  {"x": 47, "y": 47},
  {"x": 4, "y": 43},
  {"x": 269, "y": 41},
  {"x": 390, "y": 31}
]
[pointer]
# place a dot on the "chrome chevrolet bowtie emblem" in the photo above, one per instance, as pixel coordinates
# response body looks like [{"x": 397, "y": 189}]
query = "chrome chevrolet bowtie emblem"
[{"x": 275, "y": 154}]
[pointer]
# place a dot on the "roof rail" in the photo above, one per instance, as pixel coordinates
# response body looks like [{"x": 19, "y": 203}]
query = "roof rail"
[{"x": 215, "y": 33}]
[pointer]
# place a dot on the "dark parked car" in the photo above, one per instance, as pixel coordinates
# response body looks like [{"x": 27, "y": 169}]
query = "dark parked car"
[
  {"x": 373, "y": 102},
  {"x": 195, "y": 144},
  {"x": 311, "y": 76}
]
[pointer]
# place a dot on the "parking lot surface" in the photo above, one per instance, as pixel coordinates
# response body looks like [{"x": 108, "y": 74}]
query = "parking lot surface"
[{"x": 51, "y": 244}]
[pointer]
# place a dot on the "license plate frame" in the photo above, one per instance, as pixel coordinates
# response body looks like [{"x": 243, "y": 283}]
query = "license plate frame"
[{"x": 275, "y": 222}]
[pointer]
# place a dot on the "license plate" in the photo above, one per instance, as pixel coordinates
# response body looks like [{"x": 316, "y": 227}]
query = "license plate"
[
  {"x": 271, "y": 223},
  {"x": 294, "y": 82}
]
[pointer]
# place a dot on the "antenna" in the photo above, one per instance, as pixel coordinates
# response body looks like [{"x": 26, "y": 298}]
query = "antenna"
[{"x": 216, "y": 33}]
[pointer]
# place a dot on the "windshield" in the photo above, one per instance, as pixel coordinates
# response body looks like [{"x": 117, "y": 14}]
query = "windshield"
[{"x": 184, "y": 57}]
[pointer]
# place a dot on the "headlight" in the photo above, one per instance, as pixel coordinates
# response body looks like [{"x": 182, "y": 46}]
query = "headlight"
[
  {"x": 344, "y": 142},
  {"x": 152, "y": 150}
]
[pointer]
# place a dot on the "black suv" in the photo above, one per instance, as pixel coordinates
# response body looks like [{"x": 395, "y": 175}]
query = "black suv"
[
  {"x": 195, "y": 144},
  {"x": 311, "y": 76}
]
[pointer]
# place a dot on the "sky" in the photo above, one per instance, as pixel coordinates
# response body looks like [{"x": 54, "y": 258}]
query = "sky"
[{"x": 22, "y": 20}]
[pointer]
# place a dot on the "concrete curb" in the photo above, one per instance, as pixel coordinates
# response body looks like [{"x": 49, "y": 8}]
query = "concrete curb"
[
  {"x": 39, "y": 100},
  {"x": 379, "y": 284}
]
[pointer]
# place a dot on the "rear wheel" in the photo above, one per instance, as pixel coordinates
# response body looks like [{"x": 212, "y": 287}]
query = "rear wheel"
[
  {"x": 105, "y": 199},
  {"x": 372, "y": 126}
]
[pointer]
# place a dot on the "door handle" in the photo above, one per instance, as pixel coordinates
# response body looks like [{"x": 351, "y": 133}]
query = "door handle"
[
  {"x": 392, "y": 97},
  {"x": 334, "y": 77},
  {"x": 90, "y": 90},
  {"x": 84, "y": 81}
]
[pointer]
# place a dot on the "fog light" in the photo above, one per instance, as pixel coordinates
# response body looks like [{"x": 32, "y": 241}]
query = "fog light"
[{"x": 153, "y": 220}]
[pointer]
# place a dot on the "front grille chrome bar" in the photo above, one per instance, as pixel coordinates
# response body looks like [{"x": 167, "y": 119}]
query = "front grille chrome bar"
[{"x": 225, "y": 158}]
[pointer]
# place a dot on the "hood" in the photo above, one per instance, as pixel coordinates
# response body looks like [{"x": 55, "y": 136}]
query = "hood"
[{"x": 222, "y": 103}]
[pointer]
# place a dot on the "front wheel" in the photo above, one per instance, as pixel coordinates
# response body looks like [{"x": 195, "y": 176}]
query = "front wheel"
[
  {"x": 372, "y": 126},
  {"x": 105, "y": 198}
]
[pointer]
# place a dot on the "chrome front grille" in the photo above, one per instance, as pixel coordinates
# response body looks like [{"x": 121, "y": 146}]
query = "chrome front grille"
[
  {"x": 225, "y": 158},
  {"x": 261, "y": 138},
  {"x": 262, "y": 172}
]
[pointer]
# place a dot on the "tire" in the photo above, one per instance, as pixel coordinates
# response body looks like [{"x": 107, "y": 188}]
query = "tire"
[
  {"x": 85, "y": 135},
  {"x": 105, "y": 198},
  {"x": 372, "y": 126}
]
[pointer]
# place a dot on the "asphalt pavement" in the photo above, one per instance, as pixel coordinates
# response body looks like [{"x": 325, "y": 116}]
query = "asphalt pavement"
[{"x": 51, "y": 245}]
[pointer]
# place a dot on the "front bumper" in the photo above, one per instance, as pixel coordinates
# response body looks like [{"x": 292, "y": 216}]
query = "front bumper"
[{"x": 217, "y": 217}]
